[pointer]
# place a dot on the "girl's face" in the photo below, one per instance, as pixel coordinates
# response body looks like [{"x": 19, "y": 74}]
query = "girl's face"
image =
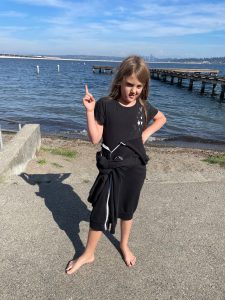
[{"x": 131, "y": 89}]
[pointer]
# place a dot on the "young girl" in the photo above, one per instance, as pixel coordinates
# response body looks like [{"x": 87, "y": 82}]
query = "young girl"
[{"x": 120, "y": 120}]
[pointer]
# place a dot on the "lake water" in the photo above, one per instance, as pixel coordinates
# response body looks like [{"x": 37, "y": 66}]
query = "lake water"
[{"x": 54, "y": 99}]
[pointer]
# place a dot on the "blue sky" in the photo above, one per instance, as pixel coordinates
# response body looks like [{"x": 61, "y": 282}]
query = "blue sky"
[{"x": 162, "y": 28}]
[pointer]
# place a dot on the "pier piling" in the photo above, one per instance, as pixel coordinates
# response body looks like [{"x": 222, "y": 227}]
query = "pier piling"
[
  {"x": 190, "y": 87},
  {"x": 205, "y": 76},
  {"x": 203, "y": 87},
  {"x": 213, "y": 89},
  {"x": 222, "y": 92},
  {"x": 179, "y": 83}
]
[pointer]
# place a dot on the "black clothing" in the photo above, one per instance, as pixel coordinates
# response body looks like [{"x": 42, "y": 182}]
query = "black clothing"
[
  {"x": 121, "y": 162},
  {"x": 105, "y": 193},
  {"x": 121, "y": 123}
]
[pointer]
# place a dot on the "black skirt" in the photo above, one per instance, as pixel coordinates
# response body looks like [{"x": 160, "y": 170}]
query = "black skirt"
[
  {"x": 130, "y": 189},
  {"x": 131, "y": 182},
  {"x": 116, "y": 191}
]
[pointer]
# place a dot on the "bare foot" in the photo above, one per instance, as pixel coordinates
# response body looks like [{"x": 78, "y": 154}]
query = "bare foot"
[
  {"x": 128, "y": 256},
  {"x": 74, "y": 265}
]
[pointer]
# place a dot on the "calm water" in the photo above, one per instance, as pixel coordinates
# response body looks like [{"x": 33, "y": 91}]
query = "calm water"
[{"x": 54, "y": 99}]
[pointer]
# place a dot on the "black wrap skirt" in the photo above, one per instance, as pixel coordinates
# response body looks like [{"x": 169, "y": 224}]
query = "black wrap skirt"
[{"x": 116, "y": 191}]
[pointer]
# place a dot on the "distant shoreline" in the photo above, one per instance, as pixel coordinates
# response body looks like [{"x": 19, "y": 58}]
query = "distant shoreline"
[
  {"x": 56, "y": 58},
  {"x": 95, "y": 60}
]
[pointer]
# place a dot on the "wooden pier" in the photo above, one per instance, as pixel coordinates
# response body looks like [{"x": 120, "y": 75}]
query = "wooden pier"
[
  {"x": 205, "y": 76},
  {"x": 102, "y": 69}
]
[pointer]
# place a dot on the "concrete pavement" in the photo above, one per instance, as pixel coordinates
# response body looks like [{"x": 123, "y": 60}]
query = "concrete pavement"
[{"x": 178, "y": 237}]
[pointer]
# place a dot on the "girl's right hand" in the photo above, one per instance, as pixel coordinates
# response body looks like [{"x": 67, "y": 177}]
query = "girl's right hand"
[{"x": 88, "y": 100}]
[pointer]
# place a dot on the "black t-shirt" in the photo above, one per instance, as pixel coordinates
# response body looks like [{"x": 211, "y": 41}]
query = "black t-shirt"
[{"x": 121, "y": 123}]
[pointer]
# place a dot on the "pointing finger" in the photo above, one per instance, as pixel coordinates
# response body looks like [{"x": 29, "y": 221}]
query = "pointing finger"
[{"x": 86, "y": 89}]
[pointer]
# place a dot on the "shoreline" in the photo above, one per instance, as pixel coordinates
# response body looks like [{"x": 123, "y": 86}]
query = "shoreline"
[
  {"x": 217, "y": 146},
  {"x": 58, "y": 58},
  {"x": 189, "y": 147},
  {"x": 167, "y": 143},
  {"x": 100, "y": 60},
  {"x": 166, "y": 164}
]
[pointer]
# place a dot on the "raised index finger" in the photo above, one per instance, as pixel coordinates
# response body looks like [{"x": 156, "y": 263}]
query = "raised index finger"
[{"x": 86, "y": 89}]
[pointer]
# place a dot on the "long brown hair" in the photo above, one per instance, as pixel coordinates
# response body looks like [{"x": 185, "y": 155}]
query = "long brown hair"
[{"x": 132, "y": 65}]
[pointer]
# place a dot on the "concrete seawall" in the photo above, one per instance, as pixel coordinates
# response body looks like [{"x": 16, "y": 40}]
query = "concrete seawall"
[{"x": 18, "y": 152}]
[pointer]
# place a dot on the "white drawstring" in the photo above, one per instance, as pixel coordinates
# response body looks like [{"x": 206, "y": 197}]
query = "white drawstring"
[{"x": 107, "y": 148}]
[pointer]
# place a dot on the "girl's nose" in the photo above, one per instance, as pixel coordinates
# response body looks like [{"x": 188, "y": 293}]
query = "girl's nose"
[{"x": 133, "y": 90}]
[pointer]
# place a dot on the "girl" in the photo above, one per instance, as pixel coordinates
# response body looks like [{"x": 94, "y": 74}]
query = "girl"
[{"x": 120, "y": 120}]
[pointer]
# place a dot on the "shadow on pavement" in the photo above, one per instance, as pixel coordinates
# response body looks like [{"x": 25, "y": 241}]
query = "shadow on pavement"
[{"x": 65, "y": 205}]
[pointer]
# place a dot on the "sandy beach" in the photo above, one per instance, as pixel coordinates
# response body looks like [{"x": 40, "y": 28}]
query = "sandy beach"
[
  {"x": 164, "y": 161},
  {"x": 164, "y": 165}
]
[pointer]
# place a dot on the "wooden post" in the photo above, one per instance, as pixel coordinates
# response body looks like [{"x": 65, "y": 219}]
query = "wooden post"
[
  {"x": 158, "y": 75},
  {"x": 222, "y": 92},
  {"x": 172, "y": 80},
  {"x": 164, "y": 77},
  {"x": 213, "y": 89},
  {"x": 203, "y": 87},
  {"x": 179, "y": 81},
  {"x": 190, "y": 85}
]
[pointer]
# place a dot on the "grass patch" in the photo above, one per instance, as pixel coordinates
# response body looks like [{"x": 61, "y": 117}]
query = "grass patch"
[
  {"x": 56, "y": 165},
  {"x": 60, "y": 151},
  {"x": 41, "y": 162},
  {"x": 217, "y": 159}
]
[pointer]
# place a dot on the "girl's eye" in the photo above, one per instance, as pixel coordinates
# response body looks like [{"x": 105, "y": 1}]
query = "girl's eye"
[{"x": 131, "y": 85}]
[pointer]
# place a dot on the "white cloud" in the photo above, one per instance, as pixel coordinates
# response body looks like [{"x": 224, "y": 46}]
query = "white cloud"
[
  {"x": 10, "y": 30},
  {"x": 75, "y": 8},
  {"x": 51, "y": 3},
  {"x": 97, "y": 25},
  {"x": 12, "y": 13},
  {"x": 179, "y": 19},
  {"x": 156, "y": 20}
]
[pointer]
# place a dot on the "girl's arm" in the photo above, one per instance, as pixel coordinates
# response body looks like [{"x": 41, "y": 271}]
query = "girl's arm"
[
  {"x": 158, "y": 121},
  {"x": 95, "y": 130}
]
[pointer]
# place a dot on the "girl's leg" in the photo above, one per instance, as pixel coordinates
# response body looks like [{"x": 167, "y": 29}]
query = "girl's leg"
[
  {"x": 88, "y": 255},
  {"x": 129, "y": 257}
]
